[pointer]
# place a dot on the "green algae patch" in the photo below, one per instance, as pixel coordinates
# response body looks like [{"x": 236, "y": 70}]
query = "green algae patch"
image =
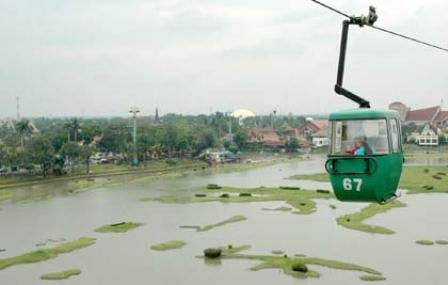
[
  {"x": 60, "y": 275},
  {"x": 118, "y": 227},
  {"x": 213, "y": 186},
  {"x": 356, "y": 220},
  {"x": 415, "y": 179},
  {"x": 279, "y": 209},
  {"x": 172, "y": 244},
  {"x": 424, "y": 242},
  {"x": 230, "y": 220},
  {"x": 320, "y": 177},
  {"x": 295, "y": 266},
  {"x": 289, "y": 188},
  {"x": 48, "y": 253},
  {"x": 372, "y": 278},
  {"x": 302, "y": 201}
]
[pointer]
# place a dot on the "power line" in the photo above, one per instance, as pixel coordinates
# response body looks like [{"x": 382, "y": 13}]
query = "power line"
[
  {"x": 382, "y": 29},
  {"x": 409, "y": 38},
  {"x": 331, "y": 8}
]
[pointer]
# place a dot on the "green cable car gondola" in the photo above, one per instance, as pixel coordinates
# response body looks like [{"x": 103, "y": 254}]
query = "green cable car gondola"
[{"x": 365, "y": 157}]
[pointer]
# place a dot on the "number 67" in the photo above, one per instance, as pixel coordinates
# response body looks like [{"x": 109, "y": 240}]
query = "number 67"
[{"x": 348, "y": 184}]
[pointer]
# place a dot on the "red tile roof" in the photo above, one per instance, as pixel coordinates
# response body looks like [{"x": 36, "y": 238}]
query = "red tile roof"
[
  {"x": 441, "y": 116},
  {"x": 426, "y": 114},
  {"x": 320, "y": 123}
]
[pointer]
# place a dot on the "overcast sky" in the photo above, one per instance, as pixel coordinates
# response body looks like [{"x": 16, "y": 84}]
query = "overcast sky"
[{"x": 98, "y": 57}]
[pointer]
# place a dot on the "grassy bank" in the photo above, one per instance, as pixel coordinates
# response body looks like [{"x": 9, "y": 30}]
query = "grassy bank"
[
  {"x": 300, "y": 200},
  {"x": 60, "y": 275},
  {"x": 356, "y": 220},
  {"x": 45, "y": 254},
  {"x": 172, "y": 244},
  {"x": 118, "y": 227}
]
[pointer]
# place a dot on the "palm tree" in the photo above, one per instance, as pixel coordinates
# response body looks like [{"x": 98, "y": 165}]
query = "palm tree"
[
  {"x": 72, "y": 127},
  {"x": 24, "y": 129}
]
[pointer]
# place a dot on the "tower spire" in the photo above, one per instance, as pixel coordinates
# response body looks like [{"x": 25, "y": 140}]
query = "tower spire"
[{"x": 156, "y": 116}]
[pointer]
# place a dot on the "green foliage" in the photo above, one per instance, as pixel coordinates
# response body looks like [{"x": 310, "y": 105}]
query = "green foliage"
[
  {"x": 233, "y": 219},
  {"x": 45, "y": 254},
  {"x": 372, "y": 278},
  {"x": 118, "y": 227},
  {"x": 172, "y": 244},
  {"x": 60, "y": 275},
  {"x": 424, "y": 242},
  {"x": 355, "y": 221},
  {"x": 292, "y": 145}
]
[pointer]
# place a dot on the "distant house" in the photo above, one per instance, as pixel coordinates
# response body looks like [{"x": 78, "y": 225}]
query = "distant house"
[
  {"x": 312, "y": 127},
  {"x": 289, "y": 133},
  {"x": 266, "y": 137},
  {"x": 428, "y": 136},
  {"x": 316, "y": 131},
  {"x": 320, "y": 138},
  {"x": 433, "y": 116}
]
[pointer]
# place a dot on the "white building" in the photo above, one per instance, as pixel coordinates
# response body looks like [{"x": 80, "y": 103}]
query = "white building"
[{"x": 428, "y": 137}]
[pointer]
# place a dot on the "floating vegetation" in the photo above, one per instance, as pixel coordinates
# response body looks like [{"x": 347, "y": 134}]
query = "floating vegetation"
[
  {"x": 213, "y": 186},
  {"x": 245, "y": 194},
  {"x": 172, "y": 244},
  {"x": 295, "y": 266},
  {"x": 280, "y": 209},
  {"x": 212, "y": 252},
  {"x": 289, "y": 188},
  {"x": 424, "y": 242},
  {"x": 277, "y": 252},
  {"x": 302, "y": 201},
  {"x": 2, "y": 249},
  {"x": 118, "y": 227},
  {"x": 233, "y": 219},
  {"x": 60, "y": 275},
  {"x": 200, "y": 195},
  {"x": 321, "y": 177},
  {"x": 323, "y": 191},
  {"x": 372, "y": 278},
  {"x": 190, "y": 227},
  {"x": 355, "y": 221},
  {"x": 45, "y": 254},
  {"x": 224, "y": 195},
  {"x": 299, "y": 267},
  {"x": 413, "y": 179},
  {"x": 332, "y": 206},
  {"x": 442, "y": 242},
  {"x": 428, "y": 187}
]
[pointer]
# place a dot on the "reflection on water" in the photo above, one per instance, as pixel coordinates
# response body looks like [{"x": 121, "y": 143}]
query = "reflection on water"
[{"x": 126, "y": 258}]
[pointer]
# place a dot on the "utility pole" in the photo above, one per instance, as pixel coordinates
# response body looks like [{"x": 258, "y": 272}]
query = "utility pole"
[
  {"x": 229, "y": 115},
  {"x": 134, "y": 111},
  {"x": 18, "y": 108}
]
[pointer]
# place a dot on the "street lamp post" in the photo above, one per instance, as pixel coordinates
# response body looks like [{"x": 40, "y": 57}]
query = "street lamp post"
[{"x": 134, "y": 111}]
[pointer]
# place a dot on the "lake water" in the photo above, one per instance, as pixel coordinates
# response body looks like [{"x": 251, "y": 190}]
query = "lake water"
[{"x": 126, "y": 258}]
